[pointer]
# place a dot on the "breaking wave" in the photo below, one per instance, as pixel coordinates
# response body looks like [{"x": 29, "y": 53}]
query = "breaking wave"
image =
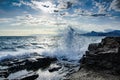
[{"x": 66, "y": 46}]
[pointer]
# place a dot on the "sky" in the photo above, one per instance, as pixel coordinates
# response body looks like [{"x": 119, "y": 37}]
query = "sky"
[{"x": 27, "y": 17}]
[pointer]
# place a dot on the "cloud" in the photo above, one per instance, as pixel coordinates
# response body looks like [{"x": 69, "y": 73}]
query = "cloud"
[
  {"x": 5, "y": 20},
  {"x": 95, "y": 27},
  {"x": 44, "y": 6},
  {"x": 19, "y": 20},
  {"x": 101, "y": 8},
  {"x": 16, "y": 4},
  {"x": 65, "y": 5},
  {"x": 61, "y": 7},
  {"x": 33, "y": 20},
  {"x": 21, "y": 2},
  {"x": 96, "y": 15},
  {"x": 115, "y": 5},
  {"x": 83, "y": 12},
  {"x": 47, "y": 6}
]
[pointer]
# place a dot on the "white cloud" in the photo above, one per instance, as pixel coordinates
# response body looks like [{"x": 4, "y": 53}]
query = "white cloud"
[
  {"x": 101, "y": 7},
  {"x": 21, "y": 3},
  {"x": 63, "y": 5},
  {"x": 95, "y": 27},
  {"x": 115, "y": 5},
  {"x": 5, "y": 20},
  {"x": 16, "y": 4},
  {"x": 83, "y": 12},
  {"x": 47, "y": 6},
  {"x": 33, "y": 20},
  {"x": 48, "y": 17}
]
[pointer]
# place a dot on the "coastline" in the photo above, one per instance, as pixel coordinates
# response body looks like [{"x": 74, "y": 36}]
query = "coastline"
[
  {"x": 84, "y": 74},
  {"x": 100, "y": 62}
]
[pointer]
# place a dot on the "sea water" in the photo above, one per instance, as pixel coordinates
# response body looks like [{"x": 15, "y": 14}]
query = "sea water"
[{"x": 68, "y": 48}]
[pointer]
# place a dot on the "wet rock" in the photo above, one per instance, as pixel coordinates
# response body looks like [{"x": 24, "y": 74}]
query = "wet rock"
[
  {"x": 4, "y": 73},
  {"x": 33, "y": 63},
  {"x": 55, "y": 69},
  {"x": 93, "y": 46},
  {"x": 41, "y": 62},
  {"x": 30, "y": 76},
  {"x": 30, "y": 62},
  {"x": 103, "y": 56}
]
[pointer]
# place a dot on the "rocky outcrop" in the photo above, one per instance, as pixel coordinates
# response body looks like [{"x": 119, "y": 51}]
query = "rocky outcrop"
[
  {"x": 103, "y": 56},
  {"x": 29, "y": 76},
  {"x": 31, "y": 63},
  {"x": 55, "y": 69}
]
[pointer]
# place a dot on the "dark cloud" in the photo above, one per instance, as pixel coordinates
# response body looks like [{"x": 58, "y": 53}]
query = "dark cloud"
[
  {"x": 56, "y": 10},
  {"x": 69, "y": 4},
  {"x": 96, "y": 15},
  {"x": 93, "y": 15},
  {"x": 101, "y": 1},
  {"x": 45, "y": 6}
]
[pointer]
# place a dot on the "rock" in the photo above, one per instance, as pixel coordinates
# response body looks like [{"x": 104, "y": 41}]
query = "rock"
[
  {"x": 54, "y": 69},
  {"x": 29, "y": 76},
  {"x": 4, "y": 73},
  {"x": 84, "y": 74},
  {"x": 93, "y": 46},
  {"x": 33, "y": 63},
  {"x": 41, "y": 62},
  {"x": 103, "y": 56}
]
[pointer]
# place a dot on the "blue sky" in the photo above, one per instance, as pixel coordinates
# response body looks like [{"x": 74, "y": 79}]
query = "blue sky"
[{"x": 26, "y": 17}]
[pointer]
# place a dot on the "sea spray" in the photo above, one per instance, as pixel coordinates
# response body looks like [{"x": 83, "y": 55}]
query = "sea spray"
[
  {"x": 68, "y": 49},
  {"x": 68, "y": 37},
  {"x": 67, "y": 45},
  {"x": 70, "y": 46}
]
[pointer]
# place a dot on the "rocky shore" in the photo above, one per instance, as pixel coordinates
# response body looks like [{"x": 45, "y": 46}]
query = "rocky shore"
[
  {"x": 101, "y": 61},
  {"x": 31, "y": 64}
]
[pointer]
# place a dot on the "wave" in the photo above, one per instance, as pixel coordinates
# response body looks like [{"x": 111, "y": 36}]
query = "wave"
[
  {"x": 71, "y": 46},
  {"x": 67, "y": 46},
  {"x": 20, "y": 54}
]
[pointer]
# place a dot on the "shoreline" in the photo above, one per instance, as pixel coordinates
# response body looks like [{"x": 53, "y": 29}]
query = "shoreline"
[
  {"x": 101, "y": 61},
  {"x": 84, "y": 74}
]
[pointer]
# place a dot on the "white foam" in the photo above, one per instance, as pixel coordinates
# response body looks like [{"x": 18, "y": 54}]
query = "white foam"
[
  {"x": 70, "y": 47},
  {"x": 19, "y": 54}
]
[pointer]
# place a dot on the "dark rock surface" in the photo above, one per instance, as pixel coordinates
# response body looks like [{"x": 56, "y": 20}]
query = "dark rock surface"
[
  {"x": 103, "y": 56},
  {"x": 31, "y": 63},
  {"x": 30, "y": 76},
  {"x": 55, "y": 69}
]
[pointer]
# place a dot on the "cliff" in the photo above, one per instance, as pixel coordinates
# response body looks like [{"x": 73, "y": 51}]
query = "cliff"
[
  {"x": 101, "y": 61},
  {"x": 103, "y": 56}
]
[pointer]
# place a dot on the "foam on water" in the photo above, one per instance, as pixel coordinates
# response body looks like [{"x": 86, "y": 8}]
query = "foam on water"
[
  {"x": 68, "y": 46},
  {"x": 19, "y": 54},
  {"x": 71, "y": 46}
]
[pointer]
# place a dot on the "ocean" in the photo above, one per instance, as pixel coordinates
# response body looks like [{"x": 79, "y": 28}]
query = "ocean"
[{"x": 68, "y": 48}]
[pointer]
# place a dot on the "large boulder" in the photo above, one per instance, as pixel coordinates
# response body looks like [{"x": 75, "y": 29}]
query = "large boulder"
[{"x": 103, "y": 56}]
